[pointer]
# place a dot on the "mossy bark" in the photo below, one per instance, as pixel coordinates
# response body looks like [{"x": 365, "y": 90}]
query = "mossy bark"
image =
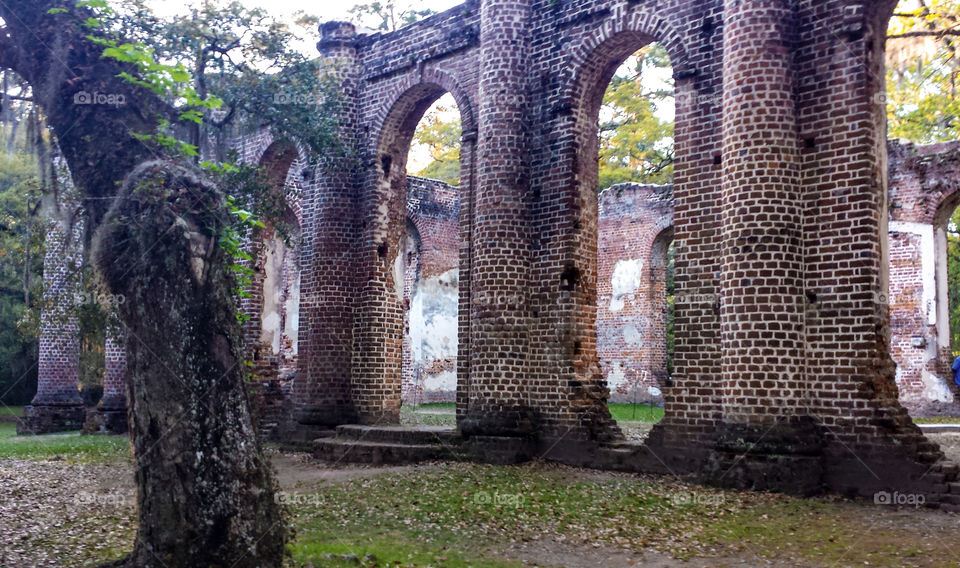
[{"x": 205, "y": 489}]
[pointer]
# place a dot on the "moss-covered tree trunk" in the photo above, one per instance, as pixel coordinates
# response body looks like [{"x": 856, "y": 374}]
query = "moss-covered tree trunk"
[
  {"x": 205, "y": 491},
  {"x": 204, "y": 487}
]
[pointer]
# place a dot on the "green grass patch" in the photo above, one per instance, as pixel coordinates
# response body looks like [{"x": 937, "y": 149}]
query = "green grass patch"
[
  {"x": 438, "y": 407},
  {"x": 636, "y": 412},
  {"x": 938, "y": 420},
  {"x": 433, "y": 414},
  {"x": 460, "y": 514},
  {"x": 71, "y": 446},
  {"x": 826, "y": 534},
  {"x": 10, "y": 412},
  {"x": 442, "y": 414}
]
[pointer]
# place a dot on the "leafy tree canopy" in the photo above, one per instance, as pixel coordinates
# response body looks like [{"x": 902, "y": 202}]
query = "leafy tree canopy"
[
  {"x": 922, "y": 69},
  {"x": 389, "y": 15}
]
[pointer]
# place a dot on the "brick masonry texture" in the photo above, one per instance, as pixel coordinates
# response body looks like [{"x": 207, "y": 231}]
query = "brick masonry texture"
[
  {"x": 923, "y": 195},
  {"x": 635, "y": 230},
  {"x": 58, "y": 405}
]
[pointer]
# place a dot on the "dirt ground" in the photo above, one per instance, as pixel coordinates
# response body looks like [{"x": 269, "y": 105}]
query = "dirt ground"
[{"x": 949, "y": 443}]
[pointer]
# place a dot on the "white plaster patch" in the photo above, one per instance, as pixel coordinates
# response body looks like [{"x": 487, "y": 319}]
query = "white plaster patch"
[
  {"x": 616, "y": 377},
  {"x": 625, "y": 282},
  {"x": 399, "y": 272},
  {"x": 936, "y": 389},
  {"x": 632, "y": 336},
  {"x": 293, "y": 314},
  {"x": 928, "y": 263},
  {"x": 270, "y": 317},
  {"x": 441, "y": 382},
  {"x": 434, "y": 320}
]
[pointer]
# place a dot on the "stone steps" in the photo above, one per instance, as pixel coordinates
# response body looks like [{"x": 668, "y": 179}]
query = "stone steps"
[
  {"x": 374, "y": 453},
  {"x": 391, "y": 445},
  {"x": 398, "y": 434}
]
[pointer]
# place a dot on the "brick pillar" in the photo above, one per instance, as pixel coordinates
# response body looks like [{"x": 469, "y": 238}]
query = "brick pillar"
[
  {"x": 114, "y": 379},
  {"x": 500, "y": 320},
  {"x": 58, "y": 406},
  {"x": 110, "y": 416},
  {"x": 322, "y": 389},
  {"x": 762, "y": 310}
]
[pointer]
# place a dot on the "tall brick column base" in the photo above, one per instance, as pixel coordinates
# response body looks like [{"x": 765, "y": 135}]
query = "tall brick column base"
[
  {"x": 109, "y": 417},
  {"x": 785, "y": 457},
  {"x": 46, "y": 419}
]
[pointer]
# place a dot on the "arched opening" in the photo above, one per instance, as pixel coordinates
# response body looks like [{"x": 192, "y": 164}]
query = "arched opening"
[
  {"x": 635, "y": 259},
  {"x": 421, "y": 169},
  {"x": 271, "y": 297}
]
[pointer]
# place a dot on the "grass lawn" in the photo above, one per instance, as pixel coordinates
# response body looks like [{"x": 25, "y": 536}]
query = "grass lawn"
[
  {"x": 442, "y": 413},
  {"x": 938, "y": 420},
  {"x": 635, "y": 413},
  {"x": 10, "y": 413},
  {"x": 461, "y": 515},
  {"x": 69, "y": 446}
]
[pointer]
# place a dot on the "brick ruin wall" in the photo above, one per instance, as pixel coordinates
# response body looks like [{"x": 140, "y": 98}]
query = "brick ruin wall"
[
  {"x": 782, "y": 371},
  {"x": 636, "y": 224},
  {"x": 635, "y": 228},
  {"x": 431, "y": 292},
  {"x": 923, "y": 195}
]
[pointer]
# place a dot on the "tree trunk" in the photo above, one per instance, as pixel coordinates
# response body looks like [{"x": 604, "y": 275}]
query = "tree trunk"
[
  {"x": 204, "y": 485},
  {"x": 205, "y": 490}
]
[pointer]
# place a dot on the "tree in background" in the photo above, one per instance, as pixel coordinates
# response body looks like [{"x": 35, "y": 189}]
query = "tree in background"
[
  {"x": 389, "y": 15},
  {"x": 439, "y": 132},
  {"x": 922, "y": 71},
  {"x": 21, "y": 270},
  {"x": 636, "y": 129},
  {"x": 923, "y": 99},
  {"x": 125, "y": 98}
]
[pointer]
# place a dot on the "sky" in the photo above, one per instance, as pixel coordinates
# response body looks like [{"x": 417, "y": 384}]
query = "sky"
[{"x": 325, "y": 9}]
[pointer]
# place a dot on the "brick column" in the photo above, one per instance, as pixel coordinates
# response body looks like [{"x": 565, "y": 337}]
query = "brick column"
[
  {"x": 500, "y": 320},
  {"x": 58, "y": 405},
  {"x": 762, "y": 310},
  {"x": 110, "y": 416},
  {"x": 321, "y": 392}
]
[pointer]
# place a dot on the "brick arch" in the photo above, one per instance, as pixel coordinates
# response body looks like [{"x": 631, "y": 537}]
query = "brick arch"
[
  {"x": 595, "y": 60},
  {"x": 264, "y": 149},
  {"x": 400, "y": 102},
  {"x": 657, "y": 290},
  {"x": 277, "y": 159},
  {"x": 383, "y": 206},
  {"x": 596, "y": 57},
  {"x": 949, "y": 200},
  {"x": 409, "y": 101},
  {"x": 946, "y": 204}
]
